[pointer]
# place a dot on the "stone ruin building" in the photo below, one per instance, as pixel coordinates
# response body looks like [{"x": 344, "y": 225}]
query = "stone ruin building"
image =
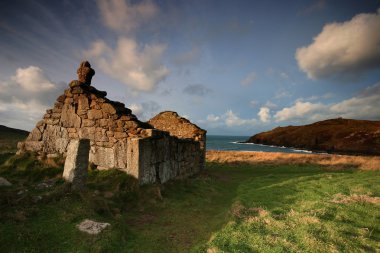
[{"x": 167, "y": 146}]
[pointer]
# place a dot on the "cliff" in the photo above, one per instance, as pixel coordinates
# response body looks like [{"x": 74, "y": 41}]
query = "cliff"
[{"x": 344, "y": 136}]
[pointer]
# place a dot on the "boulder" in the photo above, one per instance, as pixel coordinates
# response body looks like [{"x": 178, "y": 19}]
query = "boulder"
[
  {"x": 92, "y": 227},
  {"x": 4, "y": 182}
]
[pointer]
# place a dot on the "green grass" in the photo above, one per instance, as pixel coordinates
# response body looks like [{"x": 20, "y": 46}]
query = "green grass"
[
  {"x": 9, "y": 137},
  {"x": 228, "y": 208}
]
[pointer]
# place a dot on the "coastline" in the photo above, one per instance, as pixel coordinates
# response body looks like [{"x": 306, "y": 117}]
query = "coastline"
[{"x": 277, "y": 158}]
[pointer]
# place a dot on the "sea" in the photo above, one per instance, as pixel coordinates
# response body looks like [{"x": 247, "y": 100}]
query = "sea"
[{"x": 233, "y": 143}]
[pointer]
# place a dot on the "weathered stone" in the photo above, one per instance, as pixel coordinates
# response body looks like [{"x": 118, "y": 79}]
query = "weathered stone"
[
  {"x": 94, "y": 114},
  {"x": 77, "y": 90},
  {"x": 119, "y": 135},
  {"x": 40, "y": 123},
  {"x": 68, "y": 100},
  {"x": 103, "y": 157},
  {"x": 130, "y": 124},
  {"x": 33, "y": 146},
  {"x": 71, "y": 130},
  {"x": 88, "y": 123},
  {"x": 35, "y": 135},
  {"x": 104, "y": 122},
  {"x": 83, "y": 103},
  {"x": 68, "y": 94},
  {"x": 57, "y": 109},
  {"x": 121, "y": 154},
  {"x": 108, "y": 108},
  {"x": 56, "y": 115},
  {"x": 76, "y": 164},
  {"x": 73, "y": 135},
  {"x": 61, "y": 99},
  {"x": 52, "y": 121},
  {"x": 92, "y": 227},
  {"x": 69, "y": 118},
  {"x": 4, "y": 182},
  {"x": 87, "y": 133},
  {"x": 85, "y": 73},
  {"x": 101, "y": 136},
  {"x": 74, "y": 83}
]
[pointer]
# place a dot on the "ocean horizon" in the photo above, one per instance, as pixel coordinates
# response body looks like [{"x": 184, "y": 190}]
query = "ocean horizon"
[{"x": 234, "y": 143}]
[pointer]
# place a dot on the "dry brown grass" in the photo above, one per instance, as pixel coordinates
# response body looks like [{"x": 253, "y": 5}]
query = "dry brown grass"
[
  {"x": 334, "y": 161},
  {"x": 355, "y": 198}
]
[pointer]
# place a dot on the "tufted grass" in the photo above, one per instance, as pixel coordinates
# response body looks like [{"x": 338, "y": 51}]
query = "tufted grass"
[{"x": 227, "y": 208}]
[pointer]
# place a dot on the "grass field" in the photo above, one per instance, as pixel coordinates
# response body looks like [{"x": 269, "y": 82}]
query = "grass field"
[{"x": 227, "y": 208}]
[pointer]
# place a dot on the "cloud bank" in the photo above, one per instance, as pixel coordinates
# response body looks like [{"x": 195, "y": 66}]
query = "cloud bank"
[
  {"x": 25, "y": 96},
  {"x": 343, "y": 49},
  {"x": 365, "y": 105},
  {"x": 123, "y": 17},
  {"x": 137, "y": 65}
]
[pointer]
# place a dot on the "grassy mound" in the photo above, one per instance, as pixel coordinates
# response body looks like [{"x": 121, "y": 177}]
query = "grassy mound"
[
  {"x": 9, "y": 137},
  {"x": 227, "y": 208}
]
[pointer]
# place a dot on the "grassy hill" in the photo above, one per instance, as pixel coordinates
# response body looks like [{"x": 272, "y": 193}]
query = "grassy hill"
[
  {"x": 345, "y": 136},
  {"x": 9, "y": 137},
  {"x": 230, "y": 207}
]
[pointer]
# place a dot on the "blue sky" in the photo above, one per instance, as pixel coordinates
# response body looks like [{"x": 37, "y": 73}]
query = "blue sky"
[{"x": 232, "y": 67}]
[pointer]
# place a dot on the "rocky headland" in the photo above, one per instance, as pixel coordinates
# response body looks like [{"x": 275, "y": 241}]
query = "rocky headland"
[{"x": 341, "y": 136}]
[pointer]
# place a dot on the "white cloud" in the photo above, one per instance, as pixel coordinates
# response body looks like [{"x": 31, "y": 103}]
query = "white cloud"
[
  {"x": 212, "y": 118},
  {"x": 139, "y": 67},
  {"x": 136, "y": 109},
  {"x": 264, "y": 114},
  {"x": 145, "y": 110},
  {"x": 365, "y": 105},
  {"x": 229, "y": 119},
  {"x": 232, "y": 119},
  {"x": 347, "y": 48},
  {"x": 25, "y": 97},
  {"x": 270, "y": 104},
  {"x": 299, "y": 111},
  {"x": 126, "y": 17},
  {"x": 249, "y": 79},
  {"x": 32, "y": 79}
]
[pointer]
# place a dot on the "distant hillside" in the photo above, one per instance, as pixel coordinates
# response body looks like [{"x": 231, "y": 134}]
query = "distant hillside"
[
  {"x": 346, "y": 136},
  {"x": 9, "y": 138}
]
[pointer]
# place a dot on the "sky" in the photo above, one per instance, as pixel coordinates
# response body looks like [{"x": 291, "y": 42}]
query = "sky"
[{"x": 231, "y": 67}]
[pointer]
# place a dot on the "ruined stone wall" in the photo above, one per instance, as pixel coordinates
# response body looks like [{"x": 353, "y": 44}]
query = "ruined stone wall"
[
  {"x": 163, "y": 157},
  {"x": 182, "y": 128},
  {"x": 167, "y": 147},
  {"x": 84, "y": 113}
]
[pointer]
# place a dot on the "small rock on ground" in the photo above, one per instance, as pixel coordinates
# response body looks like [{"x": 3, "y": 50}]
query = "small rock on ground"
[
  {"x": 4, "y": 182},
  {"x": 92, "y": 227}
]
